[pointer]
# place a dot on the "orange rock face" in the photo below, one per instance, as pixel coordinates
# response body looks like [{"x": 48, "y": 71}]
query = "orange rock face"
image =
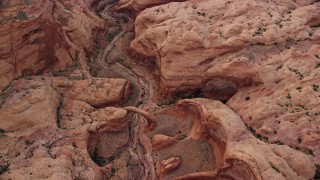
[{"x": 37, "y": 36}]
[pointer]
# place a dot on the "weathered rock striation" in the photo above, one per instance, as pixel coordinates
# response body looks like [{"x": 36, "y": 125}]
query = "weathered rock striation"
[
  {"x": 74, "y": 105},
  {"x": 140, "y": 5},
  {"x": 204, "y": 139},
  {"x": 263, "y": 54},
  {"x": 215, "y": 46},
  {"x": 239, "y": 154},
  {"x": 46, "y": 133},
  {"x": 38, "y": 36},
  {"x": 30, "y": 105}
]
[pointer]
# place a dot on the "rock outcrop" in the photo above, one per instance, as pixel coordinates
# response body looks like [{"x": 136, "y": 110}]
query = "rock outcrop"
[
  {"x": 38, "y": 36},
  {"x": 37, "y": 97},
  {"x": 30, "y": 105},
  {"x": 99, "y": 91},
  {"x": 118, "y": 113},
  {"x": 239, "y": 154},
  {"x": 47, "y": 133},
  {"x": 219, "y": 46},
  {"x": 285, "y": 108},
  {"x": 51, "y": 154},
  {"x": 140, "y": 5},
  {"x": 263, "y": 54}
]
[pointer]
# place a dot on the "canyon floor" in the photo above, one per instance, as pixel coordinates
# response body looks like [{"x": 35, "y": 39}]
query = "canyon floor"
[{"x": 159, "y": 89}]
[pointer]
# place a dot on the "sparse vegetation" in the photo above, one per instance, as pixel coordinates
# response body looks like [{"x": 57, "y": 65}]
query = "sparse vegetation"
[
  {"x": 296, "y": 72},
  {"x": 111, "y": 158},
  {"x": 22, "y": 16},
  {"x": 59, "y": 116},
  {"x": 299, "y": 140},
  {"x": 260, "y": 44},
  {"x": 27, "y": 2},
  {"x": 27, "y": 142},
  {"x": 113, "y": 171},
  {"x": 197, "y": 94},
  {"x": 98, "y": 159},
  {"x": 4, "y": 168},
  {"x": 159, "y": 10},
  {"x": 77, "y": 59},
  {"x": 279, "y": 67},
  {"x": 299, "y": 88},
  {"x": 259, "y": 136},
  {"x": 288, "y": 96},
  {"x": 168, "y": 102},
  {"x": 278, "y": 142},
  {"x": 260, "y": 31},
  {"x": 315, "y": 87},
  {"x": 310, "y": 152},
  {"x": 247, "y": 98},
  {"x": 280, "y": 25},
  {"x": 317, "y": 175},
  {"x": 201, "y": 14}
]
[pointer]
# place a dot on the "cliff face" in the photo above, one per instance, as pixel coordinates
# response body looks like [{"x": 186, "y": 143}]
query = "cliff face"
[{"x": 38, "y": 36}]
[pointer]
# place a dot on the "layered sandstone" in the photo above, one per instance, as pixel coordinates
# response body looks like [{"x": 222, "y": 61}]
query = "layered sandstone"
[
  {"x": 45, "y": 135},
  {"x": 205, "y": 139},
  {"x": 263, "y": 52},
  {"x": 38, "y": 97},
  {"x": 239, "y": 154},
  {"x": 140, "y": 5},
  {"x": 215, "y": 46},
  {"x": 30, "y": 105},
  {"x": 285, "y": 108},
  {"x": 38, "y": 36},
  {"x": 260, "y": 57},
  {"x": 99, "y": 91}
]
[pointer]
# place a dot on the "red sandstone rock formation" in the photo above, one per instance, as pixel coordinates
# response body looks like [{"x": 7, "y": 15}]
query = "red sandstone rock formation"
[
  {"x": 139, "y": 5},
  {"x": 261, "y": 57},
  {"x": 238, "y": 152},
  {"x": 220, "y": 46},
  {"x": 38, "y": 36},
  {"x": 263, "y": 54}
]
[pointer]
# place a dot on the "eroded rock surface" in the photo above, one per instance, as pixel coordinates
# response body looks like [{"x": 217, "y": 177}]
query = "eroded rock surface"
[
  {"x": 30, "y": 105},
  {"x": 264, "y": 55},
  {"x": 98, "y": 92},
  {"x": 238, "y": 152},
  {"x": 135, "y": 114},
  {"x": 285, "y": 109},
  {"x": 216, "y": 45},
  {"x": 139, "y": 5},
  {"x": 31, "y": 113},
  {"x": 37, "y": 36}
]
